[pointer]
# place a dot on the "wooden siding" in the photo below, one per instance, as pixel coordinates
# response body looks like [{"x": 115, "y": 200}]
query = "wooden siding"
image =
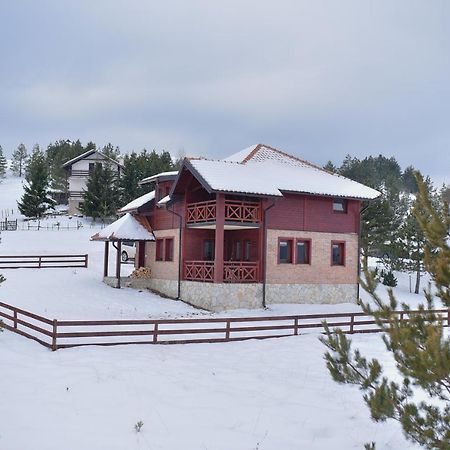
[{"x": 311, "y": 213}]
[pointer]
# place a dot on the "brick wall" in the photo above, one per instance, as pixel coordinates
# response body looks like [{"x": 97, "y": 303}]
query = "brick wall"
[
  {"x": 164, "y": 270},
  {"x": 320, "y": 270}
]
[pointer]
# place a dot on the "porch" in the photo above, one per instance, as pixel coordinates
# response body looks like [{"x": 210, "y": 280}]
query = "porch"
[{"x": 233, "y": 271}]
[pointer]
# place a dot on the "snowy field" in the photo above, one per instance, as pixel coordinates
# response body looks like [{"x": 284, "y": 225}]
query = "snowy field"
[{"x": 253, "y": 395}]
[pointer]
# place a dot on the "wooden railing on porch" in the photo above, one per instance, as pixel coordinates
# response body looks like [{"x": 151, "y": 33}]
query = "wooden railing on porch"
[
  {"x": 233, "y": 271},
  {"x": 240, "y": 272},
  {"x": 199, "y": 271},
  {"x": 235, "y": 211}
]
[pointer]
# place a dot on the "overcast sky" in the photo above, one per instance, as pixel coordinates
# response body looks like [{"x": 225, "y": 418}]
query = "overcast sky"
[{"x": 319, "y": 79}]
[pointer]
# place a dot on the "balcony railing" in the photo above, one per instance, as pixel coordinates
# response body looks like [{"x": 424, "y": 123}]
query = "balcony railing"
[
  {"x": 235, "y": 211},
  {"x": 79, "y": 173},
  {"x": 76, "y": 194},
  {"x": 233, "y": 271}
]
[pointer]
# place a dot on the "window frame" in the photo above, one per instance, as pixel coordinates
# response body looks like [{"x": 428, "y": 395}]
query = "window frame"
[
  {"x": 308, "y": 243},
  {"x": 213, "y": 245},
  {"x": 291, "y": 241},
  {"x": 169, "y": 241},
  {"x": 159, "y": 249},
  {"x": 342, "y": 244},
  {"x": 342, "y": 201}
]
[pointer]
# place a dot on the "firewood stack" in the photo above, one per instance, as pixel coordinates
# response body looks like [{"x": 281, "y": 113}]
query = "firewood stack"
[{"x": 142, "y": 272}]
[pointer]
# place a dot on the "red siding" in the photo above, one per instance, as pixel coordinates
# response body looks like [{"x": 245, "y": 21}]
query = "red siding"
[{"x": 308, "y": 213}]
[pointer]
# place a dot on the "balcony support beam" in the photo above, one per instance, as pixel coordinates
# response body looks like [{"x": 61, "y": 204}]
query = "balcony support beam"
[{"x": 219, "y": 239}]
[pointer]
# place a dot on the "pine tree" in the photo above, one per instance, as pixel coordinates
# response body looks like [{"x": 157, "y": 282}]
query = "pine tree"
[
  {"x": 111, "y": 152},
  {"x": 419, "y": 395},
  {"x": 101, "y": 197},
  {"x": 129, "y": 180},
  {"x": 3, "y": 164},
  {"x": 36, "y": 200},
  {"x": 19, "y": 160}
]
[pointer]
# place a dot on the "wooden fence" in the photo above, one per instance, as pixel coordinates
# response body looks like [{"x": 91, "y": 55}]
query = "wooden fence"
[
  {"x": 56, "y": 334},
  {"x": 42, "y": 261},
  {"x": 8, "y": 225}
]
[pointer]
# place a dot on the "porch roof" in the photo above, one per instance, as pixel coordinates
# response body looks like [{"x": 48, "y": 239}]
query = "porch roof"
[
  {"x": 127, "y": 228},
  {"x": 138, "y": 202}
]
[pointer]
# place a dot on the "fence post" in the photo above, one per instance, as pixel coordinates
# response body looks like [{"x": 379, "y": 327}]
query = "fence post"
[
  {"x": 15, "y": 319},
  {"x": 155, "y": 333},
  {"x": 448, "y": 318},
  {"x": 228, "y": 330},
  {"x": 54, "y": 334},
  {"x": 352, "y": 323},
  {"x": 296, "y": 326},
  {"x": 40, "y": 262},
  {"x": 86, "y": 261}
]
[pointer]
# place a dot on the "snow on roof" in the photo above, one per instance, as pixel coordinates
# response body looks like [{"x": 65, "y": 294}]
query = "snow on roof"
[
  {"x": 272, "y": 177},
  {"x": 164, "y": 200},
  {"x": 241, "y": 155},
  {"x": 138, "y": 202},
  {"x": 171, "y": 174},
  {"x": 86, "y": 154},
  {"x": 125, "y": 228}
]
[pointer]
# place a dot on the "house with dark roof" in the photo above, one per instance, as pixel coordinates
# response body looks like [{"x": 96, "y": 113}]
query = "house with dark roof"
[
  {"x": 256, "y": 228},
  {"x": 77, "y": 172}
]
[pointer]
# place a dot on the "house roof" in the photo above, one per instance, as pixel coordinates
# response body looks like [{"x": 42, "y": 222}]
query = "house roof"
[
  {"x": 266, "y": 171},
  {"x": 89, "y": 153},
  {"x": 138, "y": 202},
  {"x": 163, "y": 176},
  {"x": 125, "y": 228}
]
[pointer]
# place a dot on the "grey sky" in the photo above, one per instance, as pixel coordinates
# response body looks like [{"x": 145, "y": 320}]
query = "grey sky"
[{"x": 316, "y": 78}]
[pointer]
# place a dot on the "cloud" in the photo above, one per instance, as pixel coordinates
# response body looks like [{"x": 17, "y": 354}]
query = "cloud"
[{"x": 320, "y": 79}]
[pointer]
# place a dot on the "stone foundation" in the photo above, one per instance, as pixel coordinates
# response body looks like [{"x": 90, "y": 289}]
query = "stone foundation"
[
  {"x": 225, "y": 296},
  {"x": 311, "y": 293},
  {"x": 222, "y": 296}
]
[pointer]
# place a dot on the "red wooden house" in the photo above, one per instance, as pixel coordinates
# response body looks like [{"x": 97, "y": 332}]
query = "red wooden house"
[{"x": 258, "y": 227}]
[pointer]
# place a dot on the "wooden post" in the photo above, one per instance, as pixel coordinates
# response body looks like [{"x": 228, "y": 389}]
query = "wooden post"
[
  {"x": 106, "y": 260},
  {"x": 40, "y": 262},
  {"x": 54, "y": 333},
  {"x": 15, "y": 319},
  {"x": 155, "y": 333},
  {"x": 228, "y": 330},
  {"x": 118, "y": 262},
  {"x": 86, "y": 260},
  {"x": 352, "y": 323},
  {"x": 220, "y": 235},
  {"x": 296, "y": 326}
]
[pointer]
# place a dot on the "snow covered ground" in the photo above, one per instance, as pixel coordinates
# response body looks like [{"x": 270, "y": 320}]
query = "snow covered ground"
[{"x": 253, "y": 395}]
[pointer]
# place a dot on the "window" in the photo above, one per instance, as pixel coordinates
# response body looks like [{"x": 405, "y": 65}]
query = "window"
[
  {"x": 285, "y": 251},
  {"x": 247, "y": 250},
  {"x": 337, "y": 253},
  {"x": 159, "y": 249},
  {"x": 168, "y": 249},
  {"x": 91, "y": 167},
  {"x": 237, "y": 251},
  {"x": 339, "y": 205},
  {"x": 303, "y": 254},
  {"x": 208, "y": 250}
]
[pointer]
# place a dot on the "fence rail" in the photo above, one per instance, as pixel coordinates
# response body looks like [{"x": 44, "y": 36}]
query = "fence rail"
[
  {"x": 8, "y": 225},
  {"x": 58, "y": 334},
  {"x": 42, "y": 261}
]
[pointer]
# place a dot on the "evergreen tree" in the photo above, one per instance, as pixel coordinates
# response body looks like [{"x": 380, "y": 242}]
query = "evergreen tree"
[
  {"x": 101, "y": 198},
  {"x": 36, "y": 199},
  {"x": 57, "y": 154},
  {"x": 409, "y": 180},
  {"x": 19, "y": 159},
  {"x": 330, "y": 167},
  {"x": 129, "y": 180},
  {"x": 419, "y": 395},
  {"x": 3, "y": 164},
  {"x": 111, "y": 152}
]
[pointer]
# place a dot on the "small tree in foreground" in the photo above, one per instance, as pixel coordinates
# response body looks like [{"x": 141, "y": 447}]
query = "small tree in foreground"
[
  {"x": 3, "y": 164},
  {"x": 421, "y": 350}
]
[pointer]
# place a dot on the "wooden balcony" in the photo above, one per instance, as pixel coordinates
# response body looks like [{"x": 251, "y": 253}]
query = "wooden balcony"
[
  {"x": 79, "y": 173},
  {"x": 236, "y": 212},
  {"x": 78, "y": 195},
  {"x": 233, "y": 271}
]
